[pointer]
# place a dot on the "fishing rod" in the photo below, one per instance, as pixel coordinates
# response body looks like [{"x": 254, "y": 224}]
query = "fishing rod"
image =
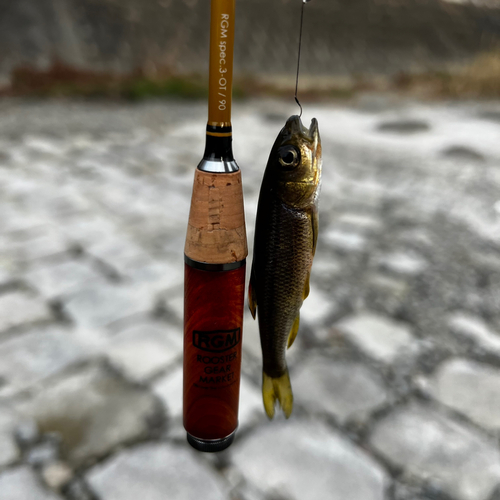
[{"x": 215, "y": 256}]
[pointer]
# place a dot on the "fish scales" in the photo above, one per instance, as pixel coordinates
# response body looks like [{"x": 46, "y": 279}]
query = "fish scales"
[
  {"x": 286, "y": 232},
  {"x": 285, "y": 261}
]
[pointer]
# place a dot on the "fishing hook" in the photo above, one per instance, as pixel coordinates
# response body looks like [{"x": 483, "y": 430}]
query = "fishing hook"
[{"x": 298, "y": 58}]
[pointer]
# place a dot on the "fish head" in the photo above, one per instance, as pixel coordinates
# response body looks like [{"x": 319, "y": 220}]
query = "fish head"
[{"x": 296, "y": 163}]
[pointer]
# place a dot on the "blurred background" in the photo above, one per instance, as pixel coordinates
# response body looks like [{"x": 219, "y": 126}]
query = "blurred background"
[{"x": 396, "y": 368}]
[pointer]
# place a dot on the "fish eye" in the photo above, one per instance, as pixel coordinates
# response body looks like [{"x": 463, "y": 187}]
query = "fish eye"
[{"x": 289, "y": 156}]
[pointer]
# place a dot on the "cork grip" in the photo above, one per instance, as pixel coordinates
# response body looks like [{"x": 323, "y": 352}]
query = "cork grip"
[{"x": 216, "y": 229}]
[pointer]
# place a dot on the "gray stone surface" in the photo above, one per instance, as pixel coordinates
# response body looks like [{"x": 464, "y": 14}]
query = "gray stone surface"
[
  {"x": 56, "y": 475},
  {"x": 63, "y": 278},
  {"x": 21, "y": 483},
  {"x": 169, "y": 390},
  {"x": 9, "y": 452},
  {"x": 98, "y": 306},
  {"x": 94, "y": 202},
  {"x": 18, "y": 308},
  {"x": 154, "y": 470},
  {"x": 475, "y": 329},
  {"x": 407, "y": 264},
  {"x": 251, "y": 408},
  {"x": 317, "y": 307},
  {"x": 93, "y": 412},
  {"x": 341, "y": 239},
  {"x": 305, "y": 460},
  {"x": 434, "y": 448},
  {"x": 159, "y": 275},
  {"x": 379, "y": 337},
  {"x": 403, "y": 127},
  {"x": 143, "y": 350},
  {"x": 120, "y": 253},
  {"x": 34, "y": 356},
  {"x": 362, "y": 222},
  {"x": 345, "y": 390},
  {"x": 471, "y": 388}
]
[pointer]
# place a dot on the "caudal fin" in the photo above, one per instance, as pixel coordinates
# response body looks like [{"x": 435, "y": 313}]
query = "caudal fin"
[{"x": 277, "y": 389}]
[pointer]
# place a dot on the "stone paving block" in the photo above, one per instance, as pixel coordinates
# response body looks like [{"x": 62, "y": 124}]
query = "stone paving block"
[
  {"x": 56, "y": 475},
  {"x": 174, "y": 303},
  {"x": 403, "y": 126},
  {"x": 475, "y": 329},
  {"x": 418, "y": 237},
  {"x": 34, "y": 356},
  {"x": 22, "y": 484},
  {"x": 344, "y": 241},
  {"x": 463, "y": 153},
  {"x": 88, "y": 229},
  {"x": 471, "y": 388},
  {"x": 389, "y": 285},
  {"x": 169, "y": 389},
  {"x": 159, "y": 275},
  {"x": 305, "y": 460},
  {"x": 156, "y": 472},
  {"x": 45, "y": 145},
  {"x": 251, "y": 335},
  {"x": 7, "y": 274},
  {"x": 434, "y": 448},
  {"x": 93, "y": 411},
  {"x": 142, "y": 350},
  {"x": 359, "y": 222},
  {"x": 18, "y": 308},
  {"x": 347, "y": 390},
  {"x": 380, "y": 337},
  {"x": 403, "y": 263},
  {"x": 119, "y": 253},
  {"x": 325, "y": 268},
  {"x": 9, "y": 451},
  {"x": 489, "y": 262},
  {"x": 317, "y": 307},
  {"x": 38, "y": 246},
  {"x": 64, "y": 277},
  {"x": 251, "y": 407},
  {"x": 99, "y": 306}
]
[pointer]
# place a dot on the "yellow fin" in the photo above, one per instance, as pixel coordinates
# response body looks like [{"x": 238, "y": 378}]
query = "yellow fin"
[
  {"x": 252, "y": 300},
  {"x": 293, "y": 331},
  {"x": 277, "y": 389},
  {"x": 306, "y": 287}
]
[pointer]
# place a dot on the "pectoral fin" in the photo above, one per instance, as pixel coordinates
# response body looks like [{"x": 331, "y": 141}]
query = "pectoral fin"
[
  {"x": 252, "y": 297},
  {"x": 315, "y": 228},
  {"x": 293, "y": 331}
]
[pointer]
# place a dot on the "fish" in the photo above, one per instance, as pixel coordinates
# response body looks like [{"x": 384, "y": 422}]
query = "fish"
[{"x": 286, "y": 234}]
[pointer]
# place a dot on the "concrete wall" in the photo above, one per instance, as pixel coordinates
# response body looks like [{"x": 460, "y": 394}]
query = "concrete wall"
[{"x": 340, "y": 36}]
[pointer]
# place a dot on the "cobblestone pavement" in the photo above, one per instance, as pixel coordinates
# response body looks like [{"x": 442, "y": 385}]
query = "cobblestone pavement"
[{"x": 396, "y": 369}]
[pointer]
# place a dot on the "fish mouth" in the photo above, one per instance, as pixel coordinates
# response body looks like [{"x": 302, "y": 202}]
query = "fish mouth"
[{"x": 295, "y": 127}]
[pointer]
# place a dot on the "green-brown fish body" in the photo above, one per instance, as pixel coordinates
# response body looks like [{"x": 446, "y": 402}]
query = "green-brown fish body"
[{"x": 286, "y": 232}]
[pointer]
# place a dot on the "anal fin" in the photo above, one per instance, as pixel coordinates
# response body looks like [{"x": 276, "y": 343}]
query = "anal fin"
[
  {"x": 307, "y": 287},
  {"x": 293, "y": 331}
]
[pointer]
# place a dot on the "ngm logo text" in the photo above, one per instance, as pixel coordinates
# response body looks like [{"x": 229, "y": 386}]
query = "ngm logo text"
[{"x": 216, "y": 341}]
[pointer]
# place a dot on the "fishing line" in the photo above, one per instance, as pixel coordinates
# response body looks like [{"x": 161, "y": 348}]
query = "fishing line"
[{"x": 298, "y": 58}]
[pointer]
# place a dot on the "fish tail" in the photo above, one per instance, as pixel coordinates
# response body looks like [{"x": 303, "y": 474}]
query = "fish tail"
[{"x": 278, "y": 389}]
